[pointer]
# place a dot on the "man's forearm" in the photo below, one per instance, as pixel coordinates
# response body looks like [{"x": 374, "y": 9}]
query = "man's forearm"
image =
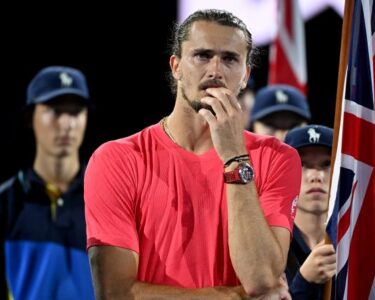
[
  {"x": 145, "y": 291},
  {"x": 255, "y": 252}
]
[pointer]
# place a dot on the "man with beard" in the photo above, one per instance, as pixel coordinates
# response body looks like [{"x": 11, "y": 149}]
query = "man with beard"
[
  {"x": 194, "y": 207},
  {"x": 311, "y": 263}
]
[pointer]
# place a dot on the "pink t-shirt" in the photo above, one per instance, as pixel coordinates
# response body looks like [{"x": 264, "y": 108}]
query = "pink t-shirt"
[{"x": 147, "y": 194}]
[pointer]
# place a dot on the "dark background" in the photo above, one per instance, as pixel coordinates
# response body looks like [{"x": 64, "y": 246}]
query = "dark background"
[{"x": 126, "y": 64}]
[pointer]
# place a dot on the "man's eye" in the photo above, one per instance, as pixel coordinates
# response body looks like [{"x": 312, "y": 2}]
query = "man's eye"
[
  {"x": 202, "y": 56},
  {"x": 57, "y": 112},
  {"x": 73, "y": 111},
  {"x": 230, "y": 59}
]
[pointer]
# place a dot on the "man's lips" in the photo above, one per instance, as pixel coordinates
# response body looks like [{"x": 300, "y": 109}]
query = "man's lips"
[
  {"x": 64, "y": 140},
  {"x": 316, "y": 190},
  {"x": 212, "y": 86}
]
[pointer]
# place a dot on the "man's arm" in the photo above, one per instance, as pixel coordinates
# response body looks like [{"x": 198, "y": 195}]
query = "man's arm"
[
  {"x": 258, "y": 253},
  {"x": 114, "y": 272}
]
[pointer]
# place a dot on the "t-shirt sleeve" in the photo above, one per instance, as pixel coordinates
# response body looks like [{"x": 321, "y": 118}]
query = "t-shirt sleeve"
[
  {"x": 110, "y": 192},
  {"x": 281, "y": 186}
]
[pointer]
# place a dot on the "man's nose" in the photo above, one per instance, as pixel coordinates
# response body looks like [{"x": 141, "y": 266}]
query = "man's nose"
[
  {"x": 215, "y": 69},
  {"x": 315, "y": 175},
  {"x": 67, "y": 121}
]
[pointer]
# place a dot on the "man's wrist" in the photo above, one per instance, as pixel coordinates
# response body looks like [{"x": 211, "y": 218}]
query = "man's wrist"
[
  {"x": 235, "y": 164},
  {"x": 236, "y": 158}
]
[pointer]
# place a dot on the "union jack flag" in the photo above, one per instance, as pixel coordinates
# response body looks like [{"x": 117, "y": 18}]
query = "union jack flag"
[
  {"x": 352, "y": 209},
  {"x": 287, "y": 53}
]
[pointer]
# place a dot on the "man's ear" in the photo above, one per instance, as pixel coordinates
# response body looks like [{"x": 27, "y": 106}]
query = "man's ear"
[
  {"x": 247, "y": 76},
  {"x": 243, "y": 85},
  {"x": 174, "y": 63}
]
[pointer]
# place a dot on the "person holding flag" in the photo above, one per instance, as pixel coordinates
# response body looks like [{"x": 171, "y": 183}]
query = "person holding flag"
[{"x": 311, "y": 263}]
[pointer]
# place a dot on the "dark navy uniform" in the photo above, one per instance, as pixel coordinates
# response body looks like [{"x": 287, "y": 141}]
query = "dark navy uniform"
[
  {"x": 299, "y": 287},
  {"x": 43, "y": 242}
]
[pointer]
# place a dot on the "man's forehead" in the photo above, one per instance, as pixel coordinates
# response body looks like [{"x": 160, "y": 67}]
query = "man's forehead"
[{"x": 210, "y": 34}]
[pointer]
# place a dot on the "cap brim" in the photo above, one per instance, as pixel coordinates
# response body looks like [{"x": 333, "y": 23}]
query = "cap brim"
[
  {"x": 64, "y": 91},
  {"x": 302, "y": 145},
  {"x": 281, "y": 107}
]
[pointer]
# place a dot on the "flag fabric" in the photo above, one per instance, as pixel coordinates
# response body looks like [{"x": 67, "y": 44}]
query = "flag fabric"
[
  {"x": 351, "y": 224},
  {"x": 287, "y": 53}
]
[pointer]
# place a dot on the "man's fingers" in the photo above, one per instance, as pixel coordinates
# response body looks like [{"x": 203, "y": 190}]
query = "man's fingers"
[
  {"x": 329, "y": 259},
  {"x": 207, "y": 115},
  {"x": 226, "y": 97},
  {"x": 325, "y": 249},
  {"x": 216, "y": 106}
]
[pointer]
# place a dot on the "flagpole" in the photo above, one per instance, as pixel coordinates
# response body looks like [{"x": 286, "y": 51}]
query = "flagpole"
[{"x": 344, "y": 54}]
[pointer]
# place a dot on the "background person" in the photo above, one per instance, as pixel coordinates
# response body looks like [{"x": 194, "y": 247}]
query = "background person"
[
  {"x": 311, "y": 263},
  {"x": 43, "y": 239},
  {"x": 277, "y": 109}
]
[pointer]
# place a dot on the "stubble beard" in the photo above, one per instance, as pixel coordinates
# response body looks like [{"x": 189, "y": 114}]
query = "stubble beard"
[{"x": 196, "y": 105}]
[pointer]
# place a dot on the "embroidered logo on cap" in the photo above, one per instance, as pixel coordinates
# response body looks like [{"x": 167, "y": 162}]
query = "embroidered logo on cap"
[
  {"x": 66, "y": 80},
  {"x": 281, "y": 97},
  {"x": 313, "y": 135}
]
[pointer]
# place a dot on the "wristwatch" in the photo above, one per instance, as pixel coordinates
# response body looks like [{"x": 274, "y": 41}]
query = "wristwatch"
[{"x": 242, "y": 174}]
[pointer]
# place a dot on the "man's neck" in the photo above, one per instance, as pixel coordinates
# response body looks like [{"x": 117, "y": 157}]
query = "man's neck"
[
  {"x": 189, "y": 130},
  {"x": 312, "y": 226},
  {"x": 57, "y": 171}
]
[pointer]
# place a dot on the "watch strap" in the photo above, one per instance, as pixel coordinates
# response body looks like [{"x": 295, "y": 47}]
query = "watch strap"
[{"x": 231, "y": 176}]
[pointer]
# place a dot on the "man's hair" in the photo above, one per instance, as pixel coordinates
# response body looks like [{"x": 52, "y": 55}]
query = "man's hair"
[{"x": 181, "y": 32}]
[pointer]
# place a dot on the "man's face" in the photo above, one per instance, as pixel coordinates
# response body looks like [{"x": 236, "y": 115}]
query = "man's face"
[
  {"x": 59, "y": 126},
  {"x": 278, "y": 124},
  {"x": 316, "y": 165},
  {"x": 213, "y": 56}
]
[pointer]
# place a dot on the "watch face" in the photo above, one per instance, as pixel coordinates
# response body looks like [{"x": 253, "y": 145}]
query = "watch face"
[{"x": 246, "y": 172}]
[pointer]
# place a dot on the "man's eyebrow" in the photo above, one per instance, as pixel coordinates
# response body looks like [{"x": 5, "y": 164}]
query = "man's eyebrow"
[
  {"x": 230, "y": 53},
  {"x": 211, "y": 52},
  {"x": 203, "y": 50}
]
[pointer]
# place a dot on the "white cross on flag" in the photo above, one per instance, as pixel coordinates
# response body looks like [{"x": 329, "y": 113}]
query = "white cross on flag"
[{"x": 288, "y": 54}]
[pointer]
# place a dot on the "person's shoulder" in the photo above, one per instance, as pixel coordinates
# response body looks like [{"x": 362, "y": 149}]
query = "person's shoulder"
[
  {"x": 125, "y": 145},
  {"x": 8, "y": 184},
  {"x": 262, "y": 142}
]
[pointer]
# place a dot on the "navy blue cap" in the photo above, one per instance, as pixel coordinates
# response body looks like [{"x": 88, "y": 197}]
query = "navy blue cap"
[
  {"x": 310, "y": 135},
  {"x": 56, "y": 81},
  {"x": 279, "y": 97}
]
